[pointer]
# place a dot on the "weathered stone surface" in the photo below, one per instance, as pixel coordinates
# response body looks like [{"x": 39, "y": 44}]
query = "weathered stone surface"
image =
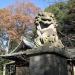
[
  {"x": 22, "y": 70},
  {"x": 46, "y": 30},
  {"x": 48, "y": 65}
]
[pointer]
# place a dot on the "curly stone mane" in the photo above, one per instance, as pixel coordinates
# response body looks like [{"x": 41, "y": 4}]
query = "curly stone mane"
[{"x": 46, "y": 30}]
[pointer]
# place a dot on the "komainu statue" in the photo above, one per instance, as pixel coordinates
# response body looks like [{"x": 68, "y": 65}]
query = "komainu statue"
[
  {"x": 46, "y": 25},
  {"x": 46, "y": 32}
]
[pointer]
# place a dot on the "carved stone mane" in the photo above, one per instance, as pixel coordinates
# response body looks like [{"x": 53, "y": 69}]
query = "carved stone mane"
[{"x": 46, "y": 30}]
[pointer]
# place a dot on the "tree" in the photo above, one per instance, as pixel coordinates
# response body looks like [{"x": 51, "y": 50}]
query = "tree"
[{"x": 18, "y": 18}]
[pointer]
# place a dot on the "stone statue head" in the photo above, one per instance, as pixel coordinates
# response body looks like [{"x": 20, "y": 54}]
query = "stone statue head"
[{"x": 45, "y": 19}]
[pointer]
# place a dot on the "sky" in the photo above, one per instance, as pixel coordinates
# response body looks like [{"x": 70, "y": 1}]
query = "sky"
[
  {"x": 39, "y": 3},
  {"x": 45, "y": 3},
  {"x": 5, "y": 3}
]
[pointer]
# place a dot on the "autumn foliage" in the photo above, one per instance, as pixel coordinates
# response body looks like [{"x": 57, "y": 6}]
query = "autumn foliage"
[{"x": 16, "y": 18}]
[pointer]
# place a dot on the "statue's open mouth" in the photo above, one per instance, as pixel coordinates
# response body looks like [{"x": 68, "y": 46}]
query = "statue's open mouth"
[{"x": 44, "y": 25}]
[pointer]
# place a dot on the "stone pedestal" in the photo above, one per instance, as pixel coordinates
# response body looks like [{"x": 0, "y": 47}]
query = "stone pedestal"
[{"x": 48, "y": 64}]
